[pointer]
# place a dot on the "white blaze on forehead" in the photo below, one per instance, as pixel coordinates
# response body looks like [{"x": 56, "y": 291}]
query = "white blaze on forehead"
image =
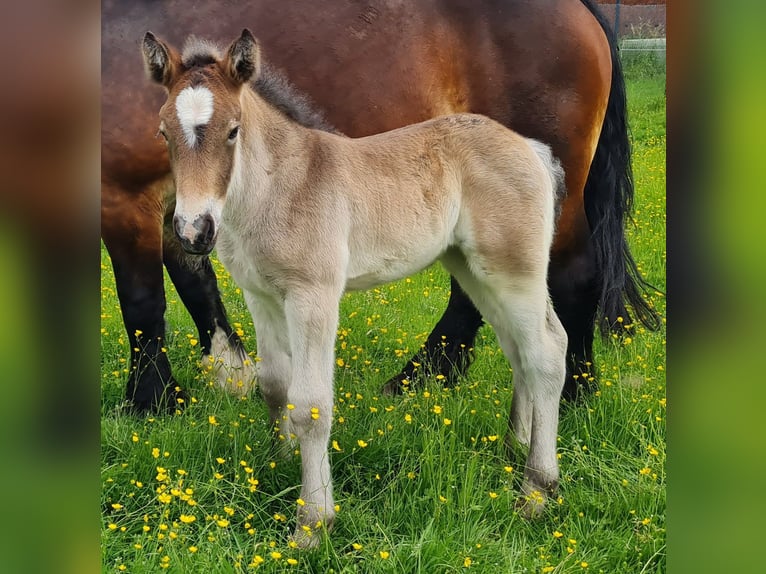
[{"x": 194, "y": 107}]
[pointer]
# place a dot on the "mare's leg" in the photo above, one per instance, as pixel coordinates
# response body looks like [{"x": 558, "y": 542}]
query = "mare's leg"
[
  {"x": 530, "y": 333},
  {"x": 575, "y": 298},
  {"x": 312, "y": 320},
  {"x": 196, "y": 283},
  {"x": 131, "y": 227},
  {"x": 573, "y": 287},
  {"x": 447, "y": 349}
]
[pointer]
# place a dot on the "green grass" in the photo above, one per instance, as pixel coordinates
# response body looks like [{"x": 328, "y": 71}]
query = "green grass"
[
  {"x": 643, "y": 64},
  {"x": 435, "y": 497}
]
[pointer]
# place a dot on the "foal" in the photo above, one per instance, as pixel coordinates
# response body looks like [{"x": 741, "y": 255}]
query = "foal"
[{"x": 299, "y": 216}]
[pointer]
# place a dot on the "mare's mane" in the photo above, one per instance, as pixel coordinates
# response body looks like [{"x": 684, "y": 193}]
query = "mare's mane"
[{"x": 271, "y": 85}]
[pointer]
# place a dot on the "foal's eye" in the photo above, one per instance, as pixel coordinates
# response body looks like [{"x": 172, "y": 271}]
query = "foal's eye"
[{"x": 233, "y": 134}]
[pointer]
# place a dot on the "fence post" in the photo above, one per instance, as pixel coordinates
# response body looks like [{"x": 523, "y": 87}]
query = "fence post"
[{"x": 617, "y": 20}]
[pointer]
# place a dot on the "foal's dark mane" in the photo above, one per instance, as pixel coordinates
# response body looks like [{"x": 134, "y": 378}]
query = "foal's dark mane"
[{"x": 272, "y": 85}]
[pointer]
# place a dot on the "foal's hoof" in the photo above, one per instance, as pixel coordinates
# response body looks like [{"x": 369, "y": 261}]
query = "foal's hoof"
[
  {"x": 306, "y": 537},
  {"x": 531, "y": 505},
  {"x": 305, "y": 540}
]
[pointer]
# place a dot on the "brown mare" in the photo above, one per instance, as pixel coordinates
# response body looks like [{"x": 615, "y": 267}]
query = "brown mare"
[{"x": 546, "y": 68}]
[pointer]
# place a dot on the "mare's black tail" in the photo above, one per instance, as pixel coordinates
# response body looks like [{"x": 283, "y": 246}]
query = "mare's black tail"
[{"x": 609, "y": 201}]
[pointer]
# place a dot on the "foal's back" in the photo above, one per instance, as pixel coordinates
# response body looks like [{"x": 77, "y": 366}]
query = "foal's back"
[{"x": 454, "y": 181}]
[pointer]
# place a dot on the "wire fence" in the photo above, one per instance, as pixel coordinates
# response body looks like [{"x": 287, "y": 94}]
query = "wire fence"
[
  {"x": 640, "y": 29},
  {"x": 645, "y": 52}
]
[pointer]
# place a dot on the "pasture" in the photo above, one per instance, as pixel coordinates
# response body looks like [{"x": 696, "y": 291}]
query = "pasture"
[{"x": 422, "y": 480}]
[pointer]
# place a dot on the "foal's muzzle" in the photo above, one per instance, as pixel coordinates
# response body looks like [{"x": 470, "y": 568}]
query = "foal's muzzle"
[{"x": 197, "y": 238}]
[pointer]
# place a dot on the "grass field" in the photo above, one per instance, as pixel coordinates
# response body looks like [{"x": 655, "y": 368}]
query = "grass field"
[{"x": 422, "y": 480}]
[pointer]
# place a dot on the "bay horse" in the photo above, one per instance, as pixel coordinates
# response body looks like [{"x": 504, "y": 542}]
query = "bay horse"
[
  {"x": 549, "y": 69},
  {"x": 301, "y": 215}
]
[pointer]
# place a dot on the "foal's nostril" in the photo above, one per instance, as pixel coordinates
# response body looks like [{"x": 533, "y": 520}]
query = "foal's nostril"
[
  {"x": 197, "y": 237},
  {"x": 206, "y": 228}
]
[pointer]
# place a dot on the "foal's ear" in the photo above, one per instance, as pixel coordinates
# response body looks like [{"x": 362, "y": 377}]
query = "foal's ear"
[
  {"x": 243, "y": 59},
  {"x": 160, "y": 60}
]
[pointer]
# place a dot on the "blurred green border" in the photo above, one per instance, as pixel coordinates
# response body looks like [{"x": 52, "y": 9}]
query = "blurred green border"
[{"x": 716, "y": 383}]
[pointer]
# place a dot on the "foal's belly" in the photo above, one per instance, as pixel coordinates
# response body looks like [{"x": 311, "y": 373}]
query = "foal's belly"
[
  {"x": 370, "y": 270},
  {"x": 409, "y": 241}
]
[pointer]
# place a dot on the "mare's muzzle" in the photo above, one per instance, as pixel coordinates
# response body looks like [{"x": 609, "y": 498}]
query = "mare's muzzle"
[{"x": 197, "y": 237}]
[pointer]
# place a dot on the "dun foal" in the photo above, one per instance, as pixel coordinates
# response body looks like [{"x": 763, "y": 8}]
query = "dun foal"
[{"x": 300, "y": 215}]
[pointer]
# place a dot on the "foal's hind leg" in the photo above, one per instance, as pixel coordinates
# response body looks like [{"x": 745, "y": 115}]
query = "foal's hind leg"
[
  {"x": 530, "y": 334},
  {"x": 520, "y": 421},
  {"x": 542, "y": 350},
  {"x": 535, "y": 341},
  {"x": 197, "y": 286}
]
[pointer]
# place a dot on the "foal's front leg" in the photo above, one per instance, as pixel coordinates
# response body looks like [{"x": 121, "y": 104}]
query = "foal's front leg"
[
  {"x": 312, "y": 322},
  {"x": 274, "y": 367}
]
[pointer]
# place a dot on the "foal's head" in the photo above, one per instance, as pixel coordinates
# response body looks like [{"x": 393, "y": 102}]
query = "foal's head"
[{"x": 200, "y": 123}]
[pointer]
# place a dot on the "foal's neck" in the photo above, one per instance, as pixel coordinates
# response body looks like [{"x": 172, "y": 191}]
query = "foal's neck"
[
  {"x": 270, "y": 136},
  {"x": 272, "y": 156}
]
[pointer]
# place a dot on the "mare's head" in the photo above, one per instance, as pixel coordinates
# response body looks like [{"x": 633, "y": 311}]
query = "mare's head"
[{"x": 200, "y": 122}]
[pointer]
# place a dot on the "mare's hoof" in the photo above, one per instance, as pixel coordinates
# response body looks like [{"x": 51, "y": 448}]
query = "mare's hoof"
[
  {"x": 577, "y": 389},
  {"x": 394, "y": 386},
  {"x": 172, "y": 399}
]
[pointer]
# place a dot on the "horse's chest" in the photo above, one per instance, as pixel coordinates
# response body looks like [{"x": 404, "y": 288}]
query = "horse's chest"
[{"x": 243, "y": 264}]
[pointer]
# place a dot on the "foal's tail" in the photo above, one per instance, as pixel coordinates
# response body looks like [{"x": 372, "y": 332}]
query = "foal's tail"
[
  {"x": 609, "y": 201},
  {"x": 555, "y": 173}
]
